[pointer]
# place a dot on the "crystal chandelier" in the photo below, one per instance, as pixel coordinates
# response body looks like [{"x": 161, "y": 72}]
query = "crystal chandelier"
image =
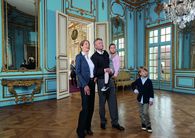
[{"x": 180, "y": 11}]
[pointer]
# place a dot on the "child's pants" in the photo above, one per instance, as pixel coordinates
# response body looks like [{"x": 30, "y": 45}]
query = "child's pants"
[
  {"x": 144, "y": 114},
  {"x": 106, "y": 77}
]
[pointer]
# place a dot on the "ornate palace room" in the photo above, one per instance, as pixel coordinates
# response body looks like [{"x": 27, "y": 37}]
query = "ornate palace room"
[{"x": 40, "y": 97}]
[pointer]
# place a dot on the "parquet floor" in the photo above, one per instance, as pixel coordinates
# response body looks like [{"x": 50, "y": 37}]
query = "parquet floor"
[{"x": 172, "y": 116}]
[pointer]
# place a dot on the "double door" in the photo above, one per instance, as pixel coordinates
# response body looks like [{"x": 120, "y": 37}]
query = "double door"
[
  {"x": 160, "y": 59},
  {"x": 62, "y": 59}
]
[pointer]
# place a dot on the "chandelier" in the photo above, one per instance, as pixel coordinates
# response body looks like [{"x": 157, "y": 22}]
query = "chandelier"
[{"x": 180, "y": 11}]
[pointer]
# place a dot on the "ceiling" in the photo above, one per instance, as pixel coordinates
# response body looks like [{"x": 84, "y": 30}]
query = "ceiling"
[{"x": 26, "y": 6}]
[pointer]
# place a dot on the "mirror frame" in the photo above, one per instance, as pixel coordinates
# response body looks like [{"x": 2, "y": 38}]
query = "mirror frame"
[
  {"x": 4, "y": 69},
  {"x": 178, "y": 30},
  {"x": 118, "y": 20}
]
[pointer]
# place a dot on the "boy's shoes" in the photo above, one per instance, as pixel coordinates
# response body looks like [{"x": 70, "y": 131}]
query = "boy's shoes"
[
  {"x": 149, "y": 129},
  {"x": 121, "y": 128},
  {"x": 105, "y": 88},
  {"x": 143, "y": 127}
]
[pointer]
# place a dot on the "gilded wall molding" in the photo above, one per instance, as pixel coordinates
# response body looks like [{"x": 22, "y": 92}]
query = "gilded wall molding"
[
  {"x": 117, "y": 14},
  {"x": 47, "y": 91},
  {"x": 80, "y": 9},
  {"x": 71, "y": 8},
  {"x": 185, "y": 86},
  {"x": 173, "y": 55}
]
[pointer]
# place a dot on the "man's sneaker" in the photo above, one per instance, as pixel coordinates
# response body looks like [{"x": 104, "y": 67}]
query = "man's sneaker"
[
  {"x": 105, "y": 88},
  {"x": 143, "y": 127},
  {"x": 149, "y": 129}
]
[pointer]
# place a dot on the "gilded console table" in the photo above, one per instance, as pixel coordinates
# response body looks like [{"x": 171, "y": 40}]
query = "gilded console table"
[{"x": 23, "y": 83}]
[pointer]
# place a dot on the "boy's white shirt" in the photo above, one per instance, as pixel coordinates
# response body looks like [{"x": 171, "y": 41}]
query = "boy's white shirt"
[{"x": 143, "y": 79}]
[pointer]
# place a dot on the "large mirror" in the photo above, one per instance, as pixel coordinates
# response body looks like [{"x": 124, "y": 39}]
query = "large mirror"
[
  {"x": 118, "y": 37},
  {"x": 186, "y": 47},
  {"x": 20, "y": 38}
]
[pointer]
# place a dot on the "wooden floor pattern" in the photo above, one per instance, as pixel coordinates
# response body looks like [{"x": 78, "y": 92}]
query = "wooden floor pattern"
[{"x": 172, "y": 116}]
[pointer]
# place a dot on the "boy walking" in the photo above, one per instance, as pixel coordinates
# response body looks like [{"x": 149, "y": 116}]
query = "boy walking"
[{"x": 144, "y": 88}]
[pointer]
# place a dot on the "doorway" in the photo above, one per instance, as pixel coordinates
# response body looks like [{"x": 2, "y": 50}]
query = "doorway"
[
  {"x": 160, "y": 59},
  {"x": 63, "y": 46},
  {"x": 78, "y": 30}
]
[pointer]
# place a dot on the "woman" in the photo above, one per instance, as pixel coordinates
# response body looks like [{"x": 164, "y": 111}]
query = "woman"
[{"x": 85, "y": 74}]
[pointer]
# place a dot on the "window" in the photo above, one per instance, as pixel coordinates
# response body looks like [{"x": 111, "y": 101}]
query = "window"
[
  {"x": 153, "y": 62},
  {"x": 121, "y": 50},
  {"x": 153, "y": 36},
  {"x": 165, "y": 62},
  {"x": 165, "y": 34},
  {"x": 160, "y": 54}
]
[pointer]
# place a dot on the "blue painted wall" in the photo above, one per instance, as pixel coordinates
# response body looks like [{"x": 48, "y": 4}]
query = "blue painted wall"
[
  {"x": 131, "y": 56},
  {"x": 93, "y": 10},
  {"x": 52, "y": 7},
  {"x": 81, "y": 8},
  {"x": 102, "y": 10},
  {"x": 140, "y": 38},
  {"x": 47, "y": 34}
]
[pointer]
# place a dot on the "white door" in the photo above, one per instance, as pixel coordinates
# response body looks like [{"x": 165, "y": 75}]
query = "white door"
[
  {"x": 62, "y": 65},
  {"x": 90, "y": 37},
  {"x": 102, "y": 31}
]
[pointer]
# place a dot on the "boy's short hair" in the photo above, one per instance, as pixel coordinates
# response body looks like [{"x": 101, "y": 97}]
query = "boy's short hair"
[
  {"x": 111, "y": 45},
  {"x": 97, "y": 40},
  {"x": 142, "y": 68}
]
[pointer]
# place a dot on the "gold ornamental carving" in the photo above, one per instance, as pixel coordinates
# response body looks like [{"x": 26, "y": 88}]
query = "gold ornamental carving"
[
  {"x": 23, "y": 83},
  {"x": 158, "y": 9}
]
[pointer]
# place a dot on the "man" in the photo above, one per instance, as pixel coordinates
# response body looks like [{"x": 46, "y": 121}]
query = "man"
[{"x": 101, "y": 61}]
